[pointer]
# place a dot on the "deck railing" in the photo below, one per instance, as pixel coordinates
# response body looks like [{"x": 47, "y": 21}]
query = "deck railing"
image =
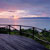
[{"x": 33, "y": 31}]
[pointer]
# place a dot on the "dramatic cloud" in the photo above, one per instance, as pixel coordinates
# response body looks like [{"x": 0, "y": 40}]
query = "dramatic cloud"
[
  {"x": 12, "y": 14},
  {"x": 24, "y": 8}
]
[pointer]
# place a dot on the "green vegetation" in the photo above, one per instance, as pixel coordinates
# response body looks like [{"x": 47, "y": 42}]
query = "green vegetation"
[
  {"x": 3, "y": 30},
  {"x": 44, "y": 35}
]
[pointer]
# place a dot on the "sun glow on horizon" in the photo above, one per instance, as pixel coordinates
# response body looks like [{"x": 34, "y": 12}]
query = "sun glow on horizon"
[
  {"x": 13, "y": 14},
  {"x": 32, "y": 16},
  {"x": 16, "y": 14},
  {"x": 15, "y": 17}
]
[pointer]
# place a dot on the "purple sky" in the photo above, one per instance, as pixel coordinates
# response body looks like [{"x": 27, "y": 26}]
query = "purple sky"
[{"x": 24, "y": 8}]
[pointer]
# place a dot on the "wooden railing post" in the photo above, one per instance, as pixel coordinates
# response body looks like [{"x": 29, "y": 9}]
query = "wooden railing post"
[
  {"x": 33, "y": 32},
  {"x": 20, "y": 30},
  {"x": 9, "y": 28}
]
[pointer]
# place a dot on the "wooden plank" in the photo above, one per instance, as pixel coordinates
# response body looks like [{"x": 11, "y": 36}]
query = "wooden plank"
[
  {"x": 13, "y": 42},
  {"x": 4, "y": 46}
]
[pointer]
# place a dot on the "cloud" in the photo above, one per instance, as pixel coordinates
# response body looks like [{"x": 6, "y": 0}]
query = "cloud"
[
  {"x": 32, "y": 16},
  {"x": 11, "y": 14},
  {"x": 1, "y": 10},
  {"x": 11, "y": 11},
  {"x": 30, "y": 7}
]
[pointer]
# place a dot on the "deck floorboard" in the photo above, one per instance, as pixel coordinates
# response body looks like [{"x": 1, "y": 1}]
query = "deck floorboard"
[{"x": 14, "y": 42}]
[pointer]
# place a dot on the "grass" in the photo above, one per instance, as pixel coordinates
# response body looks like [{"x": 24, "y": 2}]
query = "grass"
[{"x": 29, "y": 31}]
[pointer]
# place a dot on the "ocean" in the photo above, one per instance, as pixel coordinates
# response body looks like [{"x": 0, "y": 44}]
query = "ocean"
[{"x": 40, "y": 23}]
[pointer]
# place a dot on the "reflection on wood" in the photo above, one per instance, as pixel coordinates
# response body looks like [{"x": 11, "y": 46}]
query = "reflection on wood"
[{"x": 13, "y": 42}]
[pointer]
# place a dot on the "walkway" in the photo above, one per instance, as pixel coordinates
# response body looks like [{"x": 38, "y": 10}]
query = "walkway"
[{"x": 14, "y": 42}]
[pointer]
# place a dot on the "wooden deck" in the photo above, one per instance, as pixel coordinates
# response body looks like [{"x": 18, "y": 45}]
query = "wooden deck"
[{"x": 13, "y": 42}]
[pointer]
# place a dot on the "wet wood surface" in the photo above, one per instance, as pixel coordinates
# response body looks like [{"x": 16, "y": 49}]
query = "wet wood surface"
[{"x": 15, "y": 42}]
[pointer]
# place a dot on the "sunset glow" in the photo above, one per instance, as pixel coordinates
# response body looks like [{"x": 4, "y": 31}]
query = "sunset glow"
[
  {"x": 15, "y": 17},
  {"x": 32, "y": 16},
  {"x": 12, "y": 14},
  {"x": 31, "y": 8}
]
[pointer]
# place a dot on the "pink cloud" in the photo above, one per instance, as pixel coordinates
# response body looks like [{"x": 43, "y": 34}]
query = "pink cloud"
[
  {"x": 44, "y": 15},
  {"x": 1, "y": 10}
]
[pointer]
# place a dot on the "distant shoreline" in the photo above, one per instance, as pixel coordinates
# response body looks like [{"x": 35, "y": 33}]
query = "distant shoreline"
[
  {"x": 35, "y": 18},
  {"x": 27, "y": 18}
]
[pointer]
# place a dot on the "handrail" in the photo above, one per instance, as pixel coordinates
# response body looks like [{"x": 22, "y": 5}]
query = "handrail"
[
  {"x": 14, "y": 25},
  {"x": 10, "y": 25},
  {"x": 42, "y": 40},
  {"x": 21, "y": 25}
]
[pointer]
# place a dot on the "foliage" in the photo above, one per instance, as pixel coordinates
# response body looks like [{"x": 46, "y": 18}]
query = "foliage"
[
  {"x": 29, "y": 33},
  {"x": 3, "y": 30}
]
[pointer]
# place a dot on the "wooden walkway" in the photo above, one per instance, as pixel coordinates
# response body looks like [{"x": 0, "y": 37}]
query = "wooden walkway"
[{"x": 13, "y": 42}]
